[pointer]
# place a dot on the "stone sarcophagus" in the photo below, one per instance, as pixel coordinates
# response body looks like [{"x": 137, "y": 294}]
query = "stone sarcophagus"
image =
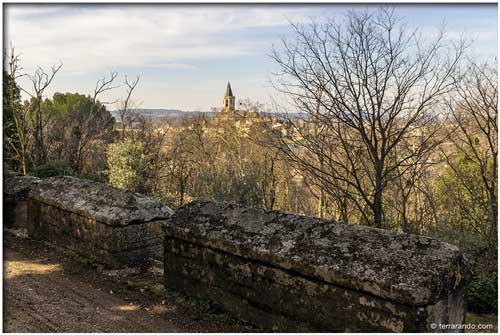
[
  {"x": 112, "y": 226},
  {"x": 15, "y": 199},
  {"x": 294, "y": 273}
]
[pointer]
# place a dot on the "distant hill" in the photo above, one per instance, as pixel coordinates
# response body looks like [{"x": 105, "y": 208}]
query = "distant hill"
[
  {"x": 162, "y": 112},
  {"x": 177, "y": 113}
]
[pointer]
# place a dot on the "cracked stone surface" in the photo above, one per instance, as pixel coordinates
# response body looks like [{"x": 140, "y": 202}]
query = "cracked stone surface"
[
  {"x": 17, "y": 187},
  {"x": 112, "y": 206},
  {"x": 404, "y": 268}
]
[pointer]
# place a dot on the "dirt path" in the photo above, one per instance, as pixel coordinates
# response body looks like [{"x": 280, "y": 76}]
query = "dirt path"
[
  {"x": 45, "y": 291},
  {"x": 41, "y": 298}
]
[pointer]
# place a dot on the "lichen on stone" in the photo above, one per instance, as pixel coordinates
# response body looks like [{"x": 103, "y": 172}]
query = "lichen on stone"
[
  {"x": 103, "y": 203},
  {"x": 403, "y": 268}
]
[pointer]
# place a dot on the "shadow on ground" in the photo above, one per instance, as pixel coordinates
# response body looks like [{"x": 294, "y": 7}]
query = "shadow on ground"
[{"x": 48, "y": 290}]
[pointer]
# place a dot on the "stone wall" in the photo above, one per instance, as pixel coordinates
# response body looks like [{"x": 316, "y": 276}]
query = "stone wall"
[
  {"x": 15, "y": 199},
  {"x": 295, "y": 273},
  {"x": 279, "y": 271},
  {"x": 113, "y": 227}
]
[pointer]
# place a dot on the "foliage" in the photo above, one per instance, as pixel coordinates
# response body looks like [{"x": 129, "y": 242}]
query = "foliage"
[
  {"x": 11, "y": 106},
  {"x": 215, "y": 159},
  {"x": 72, "y": 119},
  {"x": 228, "y": 185},
  {"x": 127, "y": 165},
  {"x": 463, "y": 210},
  {"x": 481, "y": 295},
  {"x": 11, "y": 103},
  {"x": 52, "y": 170},
  {"x": 483, "y": 319},
  {"x": 460, "y": 193},
  {"x": 166, "y": 198}
]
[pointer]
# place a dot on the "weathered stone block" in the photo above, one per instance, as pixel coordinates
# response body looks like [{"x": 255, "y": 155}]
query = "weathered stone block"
[
  {"x": 112, "y": 226},
  {"x": 295, "y": 273},
  {"x": 15, "y": 199}
]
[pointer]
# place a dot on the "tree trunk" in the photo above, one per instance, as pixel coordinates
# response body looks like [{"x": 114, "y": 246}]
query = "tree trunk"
[
  {"x": 377, "y": 200},
  {"x": 493, "y": 215},
  {"x": 40, "y": 155},
  {"x": 321, "y": 205},
  {"x": 377, "y": 209}
]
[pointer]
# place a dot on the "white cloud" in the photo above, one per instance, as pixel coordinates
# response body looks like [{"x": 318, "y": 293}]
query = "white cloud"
[
  {"x": 153, "y": 40},
  {"x": 96, "y": 38}
]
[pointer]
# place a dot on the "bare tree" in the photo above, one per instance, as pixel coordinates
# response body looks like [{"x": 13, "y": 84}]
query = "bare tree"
[
  {"x": 20, "y": 140},
  {"x": 30, "y": 122},
  {"x": 40, "y": 81},
  {"x": 475, "y": 112},
  {"x": 377, "y": 83},
  {"x": 125, "y": 105},
  {"x": 411, "y": 184},
  {"x": 83, "y": 134}
]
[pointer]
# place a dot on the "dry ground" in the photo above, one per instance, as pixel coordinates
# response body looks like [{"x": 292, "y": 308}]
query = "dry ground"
[{"x": 47, "y": 290}]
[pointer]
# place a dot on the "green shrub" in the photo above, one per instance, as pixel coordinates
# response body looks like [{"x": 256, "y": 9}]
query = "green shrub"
[
  {"x": 165, "y": 198},
  {"x": 127, "y": 165},
  {"x": 226, "y": 184},
  {"x": 481, "y": 295},
  {"x": 52, "y": 170}
]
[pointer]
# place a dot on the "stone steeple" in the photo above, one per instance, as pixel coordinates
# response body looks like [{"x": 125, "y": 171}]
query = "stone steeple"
[
  {"x": 229, "y": 91},
  {"x": 228, "y": 102}
]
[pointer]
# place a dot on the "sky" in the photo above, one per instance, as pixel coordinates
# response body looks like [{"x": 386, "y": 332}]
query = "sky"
[{"x": 185, "y": 54}]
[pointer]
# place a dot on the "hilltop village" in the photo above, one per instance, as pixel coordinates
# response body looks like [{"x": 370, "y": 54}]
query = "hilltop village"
[{"x": 246, "y": 119}]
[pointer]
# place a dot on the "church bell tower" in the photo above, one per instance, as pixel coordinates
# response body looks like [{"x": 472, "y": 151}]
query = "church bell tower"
[{"x": 228, "y": 102}]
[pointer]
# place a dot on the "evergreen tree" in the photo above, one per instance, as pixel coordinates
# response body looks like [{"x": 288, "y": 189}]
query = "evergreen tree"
[{"x": 11, "y": 106}]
